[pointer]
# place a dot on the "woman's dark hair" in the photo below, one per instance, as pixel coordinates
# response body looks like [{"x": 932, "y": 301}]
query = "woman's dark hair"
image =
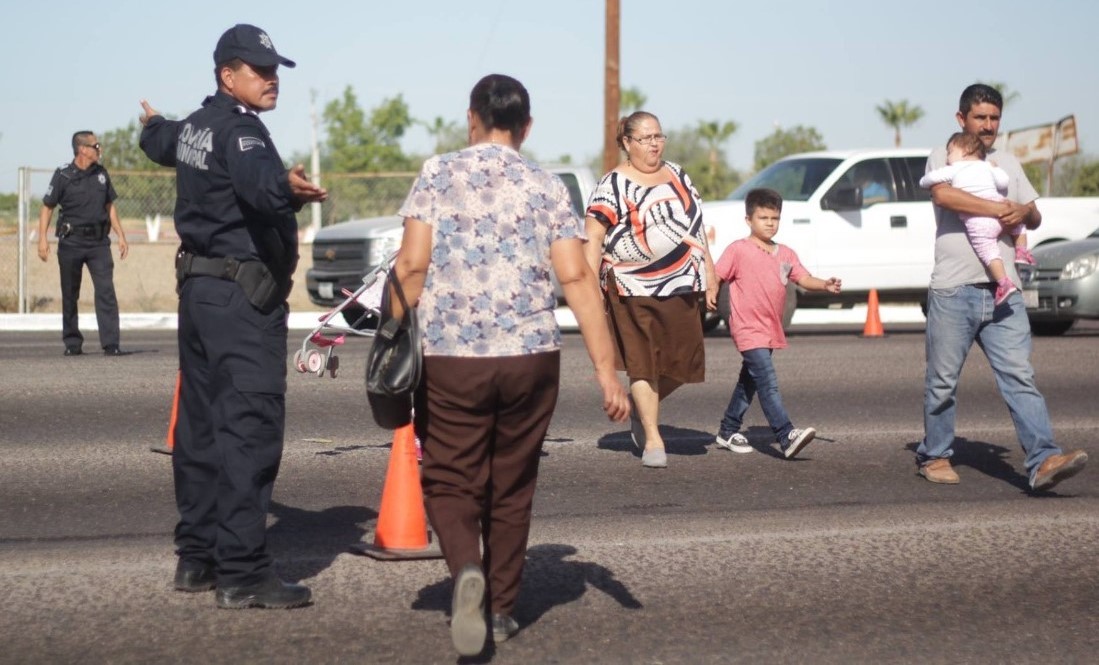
[
  {"x": 970, "y": 144},
  {"x": 628, "y": 125},
  {"x": 501, "y": 102}
]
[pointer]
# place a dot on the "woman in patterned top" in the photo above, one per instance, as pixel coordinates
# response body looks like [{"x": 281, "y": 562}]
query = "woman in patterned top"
[
  {"x": 647, "y": 242},
  {"x": 483, "y": 228}
]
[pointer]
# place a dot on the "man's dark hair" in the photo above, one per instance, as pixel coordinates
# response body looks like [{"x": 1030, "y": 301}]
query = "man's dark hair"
[
  {"x": 80, "y": 138},
  {"x": 970, "y": 144},
  {"x": 233, "y": 64},
  {"x": 501, "y": 102},
  {"x": 979, "y": 93},
  {"x": 762, "y": 198}
]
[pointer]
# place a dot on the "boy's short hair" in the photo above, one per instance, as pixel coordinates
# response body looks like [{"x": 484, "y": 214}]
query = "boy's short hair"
[
  {"x": 762, "y": 198},
  {"x": 970, "y": 144}
]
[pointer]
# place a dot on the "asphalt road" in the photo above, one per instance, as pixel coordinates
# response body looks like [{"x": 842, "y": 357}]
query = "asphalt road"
[{"x": 841, "y": 556}]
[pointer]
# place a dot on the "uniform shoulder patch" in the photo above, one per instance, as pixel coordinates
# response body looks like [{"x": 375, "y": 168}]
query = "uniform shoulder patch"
[{"x": 246, "y": 143}]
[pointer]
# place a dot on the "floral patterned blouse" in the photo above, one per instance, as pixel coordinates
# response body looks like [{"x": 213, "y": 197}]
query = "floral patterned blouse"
[
  {"x": 655, "y": 240},
  {"x": 494, "y": 215}
]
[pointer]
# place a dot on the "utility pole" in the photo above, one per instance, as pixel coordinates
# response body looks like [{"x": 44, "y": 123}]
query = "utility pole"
[
  {"x": 314, "y": 169},
  {"x": 611, "y": 89}
]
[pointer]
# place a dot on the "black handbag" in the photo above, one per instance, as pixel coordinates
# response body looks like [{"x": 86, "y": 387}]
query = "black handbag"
[{"x": 395, "y": 361}]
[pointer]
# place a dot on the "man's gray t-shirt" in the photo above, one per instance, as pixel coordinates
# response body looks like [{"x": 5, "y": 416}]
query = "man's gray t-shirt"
[{"x": 956, "y": 263}]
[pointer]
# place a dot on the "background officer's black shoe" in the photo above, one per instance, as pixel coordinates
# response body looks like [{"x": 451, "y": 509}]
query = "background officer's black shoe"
[
  {"x": 73, "y": 350},
  {"x": 192, "y": 576},
  {"x": 113, "y": 350},
  {"x": 272, "y": 593}
]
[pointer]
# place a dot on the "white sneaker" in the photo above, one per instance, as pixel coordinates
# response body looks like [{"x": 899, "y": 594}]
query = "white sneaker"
[
  {"x": 798, "y": 439},
  {"x": 736, "y": 442}
]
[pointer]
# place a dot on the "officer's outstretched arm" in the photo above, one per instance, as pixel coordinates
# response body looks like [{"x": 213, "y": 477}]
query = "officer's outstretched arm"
[{"x": 158, "y": 137}]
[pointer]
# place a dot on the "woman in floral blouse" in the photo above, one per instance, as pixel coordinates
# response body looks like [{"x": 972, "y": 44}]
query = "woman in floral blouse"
[
  {"x": 483, "y": 228},
  {"x": 647, "y": 242}
]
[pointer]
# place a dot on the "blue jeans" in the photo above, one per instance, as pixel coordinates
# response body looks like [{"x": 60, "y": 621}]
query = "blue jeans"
[
  {"x": 955, "y": 319},
  {"x": 757, "y": 376}
]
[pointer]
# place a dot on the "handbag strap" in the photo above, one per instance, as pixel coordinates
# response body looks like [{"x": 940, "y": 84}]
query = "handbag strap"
[{"x": 400, "y": 294}]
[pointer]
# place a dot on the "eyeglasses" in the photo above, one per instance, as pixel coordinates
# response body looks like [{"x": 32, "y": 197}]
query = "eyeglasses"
[
  {"x": 93, "y": 146},
  {"x": 650, "y": 139}
]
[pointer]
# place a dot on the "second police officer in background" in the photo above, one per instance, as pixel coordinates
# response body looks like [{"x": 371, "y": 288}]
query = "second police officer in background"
[
  {"x": 84, "y": 191},
  {"x": 235, "y": 218}
]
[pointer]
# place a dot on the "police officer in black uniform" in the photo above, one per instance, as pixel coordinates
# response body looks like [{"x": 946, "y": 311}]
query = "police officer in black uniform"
[
  {"x": 83, "y": 190},
  {"x": 235, "y": 205}
]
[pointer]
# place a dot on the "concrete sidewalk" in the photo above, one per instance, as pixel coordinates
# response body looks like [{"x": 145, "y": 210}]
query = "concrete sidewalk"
[{"x": 307, "y": 320}]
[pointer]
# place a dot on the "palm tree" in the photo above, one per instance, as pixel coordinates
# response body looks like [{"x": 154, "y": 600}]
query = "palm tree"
[
  {"x": 897, "y": 115},
  {"x": 713, "y": 133},
  {"x": 442, "y": 130},
  {"x": 1007, "y": 93},
  {"x": 630, "y": 100}
]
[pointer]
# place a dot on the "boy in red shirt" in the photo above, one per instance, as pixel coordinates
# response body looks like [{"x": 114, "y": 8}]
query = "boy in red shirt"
[{"x": 757, "y": 270}]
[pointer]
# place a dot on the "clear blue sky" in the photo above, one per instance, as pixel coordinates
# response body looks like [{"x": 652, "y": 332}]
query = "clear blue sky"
[{"x": 76, "y": 65}]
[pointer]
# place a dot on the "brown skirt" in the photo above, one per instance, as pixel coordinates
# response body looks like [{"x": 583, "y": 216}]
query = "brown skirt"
[{"x": 658, "y": 337}]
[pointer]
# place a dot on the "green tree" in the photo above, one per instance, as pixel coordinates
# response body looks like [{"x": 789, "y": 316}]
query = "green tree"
[
  {"x": 630, "y": 100},
  {"x": 1086, "y": 182},
  {"x": 713, "y": 134},
  {"x": 784, "y": 142},
  {"x": 1007, "y": 93},
  {"x": 897, "y": 115},
  {"x": 357, "y": 142},
  {"x": 143, "y": 186},
  {"x": 448, "y": 135},
  {"x": 687, "y": 148},
  {"x": 121, "y": 151}
]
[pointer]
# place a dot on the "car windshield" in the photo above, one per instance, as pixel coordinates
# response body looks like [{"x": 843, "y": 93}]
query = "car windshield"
[{"x": 795, "y": 179}]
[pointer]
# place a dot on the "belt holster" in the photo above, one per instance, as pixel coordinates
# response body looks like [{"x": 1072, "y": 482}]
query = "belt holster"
[{"x": 260, "y": 286}]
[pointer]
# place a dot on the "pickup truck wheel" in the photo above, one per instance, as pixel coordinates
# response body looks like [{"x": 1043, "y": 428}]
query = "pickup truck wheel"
[
  {"x": 352, "y": 316},
  {"x": 1051, "y": 328}
]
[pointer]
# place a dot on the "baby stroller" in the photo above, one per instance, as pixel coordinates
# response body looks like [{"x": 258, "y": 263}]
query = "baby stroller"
[{"x": 316, "y": 352}]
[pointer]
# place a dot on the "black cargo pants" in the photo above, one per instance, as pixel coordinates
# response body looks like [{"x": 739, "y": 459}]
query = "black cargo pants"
[
  {"x": 73, "y": 253},
  {"x": 229, "y": 436}
]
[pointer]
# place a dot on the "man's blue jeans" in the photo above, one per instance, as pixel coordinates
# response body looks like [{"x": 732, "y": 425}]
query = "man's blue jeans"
[
  {"x": 955, "y": 319},
  {"x": 757, "y": 376}
]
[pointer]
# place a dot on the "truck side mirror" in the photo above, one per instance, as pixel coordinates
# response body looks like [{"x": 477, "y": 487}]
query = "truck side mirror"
[{"x": 842, "y": 197}]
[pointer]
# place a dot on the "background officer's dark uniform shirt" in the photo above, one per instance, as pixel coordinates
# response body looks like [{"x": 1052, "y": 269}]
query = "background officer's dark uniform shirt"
[
  {"x": 233, "y": 196},
  {"x": 82, "y": 194}
]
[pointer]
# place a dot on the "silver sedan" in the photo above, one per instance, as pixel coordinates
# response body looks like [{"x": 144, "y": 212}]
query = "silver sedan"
[{"x": 1065, "y": 285}]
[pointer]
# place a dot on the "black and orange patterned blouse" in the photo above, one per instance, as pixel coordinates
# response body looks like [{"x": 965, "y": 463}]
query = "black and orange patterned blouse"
[{"x": 655, "y": 240}]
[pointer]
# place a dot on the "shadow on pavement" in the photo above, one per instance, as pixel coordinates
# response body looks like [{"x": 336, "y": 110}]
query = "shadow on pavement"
[
  {"x": 549, "y": 580},
  {"x": 677, "y": 441},
  {"x": 322, "y": 534},
  {"x": 991, "y": 460}
]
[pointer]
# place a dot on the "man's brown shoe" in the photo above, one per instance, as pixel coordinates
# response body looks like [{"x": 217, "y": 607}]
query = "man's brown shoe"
[
  {"x": 1057, "y": 468},
  {"x": 940, "y": 471}
]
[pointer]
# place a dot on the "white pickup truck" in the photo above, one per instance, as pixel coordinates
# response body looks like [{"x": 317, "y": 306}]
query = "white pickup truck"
[
  {"x": 344, "y": 252},
  {"x": 861, "y": 216}
]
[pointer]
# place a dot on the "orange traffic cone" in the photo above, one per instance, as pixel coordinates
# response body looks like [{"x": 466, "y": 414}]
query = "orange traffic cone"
[
  {"x": 873, "y": 326},
  {"x": 401, "y": 532},
  {"x": 170, "y": 441}
]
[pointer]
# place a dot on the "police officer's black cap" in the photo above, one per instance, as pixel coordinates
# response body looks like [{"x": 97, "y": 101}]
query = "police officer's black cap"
[{"x": 251, "y": 45}]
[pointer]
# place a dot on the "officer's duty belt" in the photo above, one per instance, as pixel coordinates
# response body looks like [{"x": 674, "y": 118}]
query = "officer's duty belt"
[
  {"x": 255, "y": 279},
  {"x": 93, "y": 231}
]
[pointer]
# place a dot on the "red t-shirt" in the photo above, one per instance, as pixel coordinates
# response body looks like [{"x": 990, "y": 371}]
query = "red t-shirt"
[{"x": 757, "y": 291}]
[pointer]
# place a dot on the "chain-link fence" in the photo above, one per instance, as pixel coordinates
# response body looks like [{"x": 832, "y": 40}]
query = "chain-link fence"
[{"x": 144, "y": 281}]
